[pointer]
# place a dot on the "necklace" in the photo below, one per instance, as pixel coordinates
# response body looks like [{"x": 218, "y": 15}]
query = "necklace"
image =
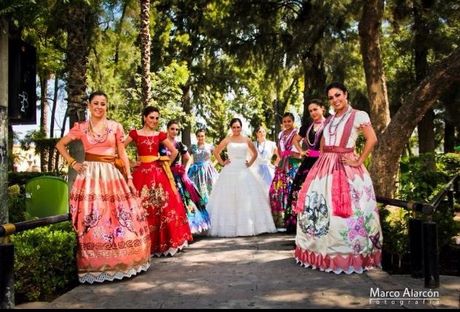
[
  {"x": 333, "y": 132},
  {"x": 98, "y": 137},
  {"x": 261, "y": 152},
  {"x": 317, "y": 133},
  {"x": 284, "y": 141}
]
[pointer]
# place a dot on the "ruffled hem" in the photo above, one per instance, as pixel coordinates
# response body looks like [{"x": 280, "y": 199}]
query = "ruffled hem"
[
  {"x": 197, "y": 229},
  {"x": 337, "y": 264},
  {"x": 171, "y": 251},
  {"x": 108, "y": 276},
  {"x": 239, "y": 233}
]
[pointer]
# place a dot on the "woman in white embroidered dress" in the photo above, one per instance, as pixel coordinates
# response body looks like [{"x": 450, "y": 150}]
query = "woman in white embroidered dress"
[
  {"x": 265, "y": 150},
  {"x": 338, "y": 226}
]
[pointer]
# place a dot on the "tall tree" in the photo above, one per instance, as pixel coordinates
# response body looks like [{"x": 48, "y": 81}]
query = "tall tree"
[
  {"x": 385, "y": 160},
  {"x": 7, "y": 294},
  {"x": 145, "y": 51},
  {"x": 369, "y": 35},
  {"x": 422, "y": 30},
  {"x": 79, "y": 20}
]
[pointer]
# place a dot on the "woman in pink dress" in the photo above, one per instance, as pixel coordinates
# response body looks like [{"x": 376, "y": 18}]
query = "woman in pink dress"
[
  {"x": 110, "y": 224},
  {"x": 338, "y": 226},
  {"x": 168, "y": 223}
]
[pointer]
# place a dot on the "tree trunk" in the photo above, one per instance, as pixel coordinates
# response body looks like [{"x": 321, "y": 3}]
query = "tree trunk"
[
  {"x": 3, "y": 124},
  {"x": 421, "y": 47},
  {"x": 44, "y": 121},
  {"x": 54, "y": 106},
  {"x": 449, "y": 136},
  {"x": 314, "y": 77},
  {"x": 80, "y": 23},
  {"x": 369, "y": 36},
  {"x": 426, "y": 143},
  {"x": 53, "y": 152},
  {"x": 385, "y": 160},
  {"x": 451, "y": 102},
  {"x": 145, "y": 51},
  {"x": 187, "y": 107}
]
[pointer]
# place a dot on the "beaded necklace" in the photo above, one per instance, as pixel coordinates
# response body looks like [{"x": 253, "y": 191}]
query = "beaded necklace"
[
  {"x": 96, "y": 136},
  {"x": 331, "y": 124},
  {"x": 285, "y": 137},
  {"x": 317, "y": 132}
]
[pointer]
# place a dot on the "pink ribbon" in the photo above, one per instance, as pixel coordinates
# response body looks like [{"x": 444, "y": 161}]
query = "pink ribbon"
[{"x": 285, "y": 154}]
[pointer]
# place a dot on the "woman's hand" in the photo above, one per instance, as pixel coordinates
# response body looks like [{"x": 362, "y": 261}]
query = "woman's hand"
[
  {"x": 79, "y": 167},
  {"x": 351, "y": 162},
  {"x": 131, "y": 186},
  {"x": 226, "y": 162}
]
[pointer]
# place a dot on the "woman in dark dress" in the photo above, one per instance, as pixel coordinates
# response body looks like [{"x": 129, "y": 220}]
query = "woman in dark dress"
[{"x": 310, "y": 132}]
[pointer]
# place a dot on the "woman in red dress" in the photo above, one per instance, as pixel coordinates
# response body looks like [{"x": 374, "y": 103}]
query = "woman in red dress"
[{"x": 168, "y": 223}]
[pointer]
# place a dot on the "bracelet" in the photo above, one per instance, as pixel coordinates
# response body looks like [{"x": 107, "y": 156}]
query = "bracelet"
[{"x": 72, "y": 163}]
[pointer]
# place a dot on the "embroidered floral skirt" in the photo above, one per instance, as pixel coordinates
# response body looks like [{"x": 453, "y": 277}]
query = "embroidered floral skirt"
[
  {"x": 280, "y": 189},
  {"x": 111, "y": 226},
  {"x": 290, "y": 217},
  {"x": 197, "y": 215},
  {"x": 166, "y": 216},
  {"x": 332, "y": 243},
  {"x": 204, "y": 176}
]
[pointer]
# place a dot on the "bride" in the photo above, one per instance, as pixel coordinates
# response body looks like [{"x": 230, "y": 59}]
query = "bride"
[{"x": 238, "y": 203}]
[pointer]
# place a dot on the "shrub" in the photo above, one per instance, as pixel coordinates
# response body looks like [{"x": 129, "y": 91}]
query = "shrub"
[
  {"x": 16, "y": 204},
  {"x": 44, "y": 262}
]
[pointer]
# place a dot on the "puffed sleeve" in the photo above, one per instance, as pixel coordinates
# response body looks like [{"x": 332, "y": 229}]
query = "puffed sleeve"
[
  {"x": 182, "y": 148},
  {"x": 119, "y": 133},
  {"x": 76, "y": 132},
  {"x": 362, "y": 120},
  {"x": 162, "y": 136},
  {"x": 133, "y": 134}
]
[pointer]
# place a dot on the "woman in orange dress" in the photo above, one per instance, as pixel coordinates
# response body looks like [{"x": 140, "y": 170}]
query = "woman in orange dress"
[
  {"x": 110, "y": 224},
  {"x": 168, "y": 224}
]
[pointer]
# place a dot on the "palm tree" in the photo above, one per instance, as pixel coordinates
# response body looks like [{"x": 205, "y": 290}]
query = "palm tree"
[{"x": 145, "y": 51}]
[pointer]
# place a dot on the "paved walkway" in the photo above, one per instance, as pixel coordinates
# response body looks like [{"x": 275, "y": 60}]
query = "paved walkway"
[{"x": 249, "y": 272}]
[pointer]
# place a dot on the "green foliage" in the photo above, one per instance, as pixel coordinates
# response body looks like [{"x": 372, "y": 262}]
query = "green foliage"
[
  {"x": 394, "y": 222},
  {"x": 450, "y": 163},
  {"x": 16, "y": 204},
  {"x": 44, "y": 262},
  {"x": 419, "y": 183},
  {"x": 166, "y": 88}
]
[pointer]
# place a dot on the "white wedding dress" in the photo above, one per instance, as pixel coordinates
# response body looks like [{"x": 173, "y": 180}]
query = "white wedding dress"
[{"x": 239, "y": 204}]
